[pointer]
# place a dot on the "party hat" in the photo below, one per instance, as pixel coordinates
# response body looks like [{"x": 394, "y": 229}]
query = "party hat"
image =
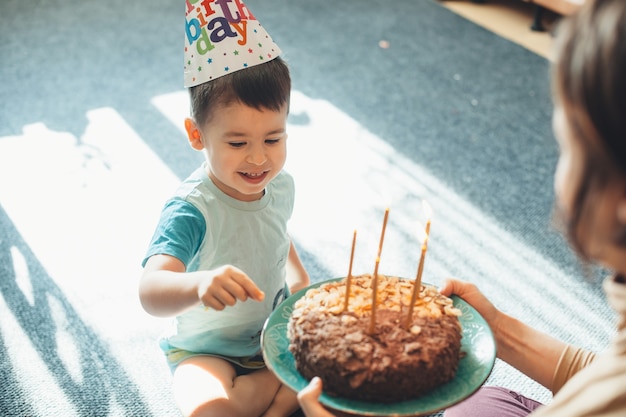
[{"x": 221, "y": 37}]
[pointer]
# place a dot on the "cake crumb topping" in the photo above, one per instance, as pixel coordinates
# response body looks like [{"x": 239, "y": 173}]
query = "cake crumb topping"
[{"x": 393, "y": 294}]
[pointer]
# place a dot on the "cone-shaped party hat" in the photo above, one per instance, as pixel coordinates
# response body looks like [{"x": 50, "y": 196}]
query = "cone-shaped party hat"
[{"x": 221, "y": 37}]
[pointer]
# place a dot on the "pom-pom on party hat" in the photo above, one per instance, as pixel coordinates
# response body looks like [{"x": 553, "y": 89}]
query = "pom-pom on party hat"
[{"x": 221, "y": 37}]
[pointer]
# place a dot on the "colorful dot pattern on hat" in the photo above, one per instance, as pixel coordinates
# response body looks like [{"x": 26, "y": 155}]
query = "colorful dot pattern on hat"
[{"x": 221, "y": 37}]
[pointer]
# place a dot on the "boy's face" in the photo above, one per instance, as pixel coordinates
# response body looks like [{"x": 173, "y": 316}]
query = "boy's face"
[{"x": 245, "y": 148}]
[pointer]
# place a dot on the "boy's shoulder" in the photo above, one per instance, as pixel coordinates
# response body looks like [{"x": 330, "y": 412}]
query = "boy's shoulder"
[
  {"x": 284, "y": 183},
  {"x": 284, "y": 177},
  {"x": 190, "y": 185}
]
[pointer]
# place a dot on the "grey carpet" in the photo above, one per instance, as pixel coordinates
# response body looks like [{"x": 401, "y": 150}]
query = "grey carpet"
[{"x": 449, "y": 113}]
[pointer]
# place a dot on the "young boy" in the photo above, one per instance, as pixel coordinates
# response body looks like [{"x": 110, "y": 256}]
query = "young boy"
[{"x": 219, "y": 256}]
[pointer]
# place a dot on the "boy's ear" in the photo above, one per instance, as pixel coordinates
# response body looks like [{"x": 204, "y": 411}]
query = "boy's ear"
[{"x": 193, "y": 134}]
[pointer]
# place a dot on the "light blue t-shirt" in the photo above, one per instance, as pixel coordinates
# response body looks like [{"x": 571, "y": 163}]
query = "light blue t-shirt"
[{"x": 206, "y": 229}]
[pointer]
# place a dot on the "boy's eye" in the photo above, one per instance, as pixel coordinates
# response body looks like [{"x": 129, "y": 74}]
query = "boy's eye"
[
  {"x": 236, "y": 144},
  {"x": 272, "y": 141}
]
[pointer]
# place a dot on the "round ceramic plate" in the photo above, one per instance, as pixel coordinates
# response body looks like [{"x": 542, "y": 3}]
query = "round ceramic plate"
[{"x": 474, "y": 368}]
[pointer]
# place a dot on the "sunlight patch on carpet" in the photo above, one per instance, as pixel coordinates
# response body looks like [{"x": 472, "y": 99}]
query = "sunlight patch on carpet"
[
  {"x": 67, "y": 348},
  {"x": 22, "y": 275},
  {"x": 32, "y": 374},
  {"x": 86, "y": 206}
]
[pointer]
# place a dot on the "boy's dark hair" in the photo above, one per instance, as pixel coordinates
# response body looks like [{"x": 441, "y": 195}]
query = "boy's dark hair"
[
  {"x": 589, "y": 83},
  {"x": 262, "y": 86}
]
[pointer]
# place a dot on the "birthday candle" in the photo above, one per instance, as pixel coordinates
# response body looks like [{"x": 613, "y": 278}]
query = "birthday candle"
[
  {"x": 349, "y": 277},
  {"x": 372, "y": 328},
  {"x": 417, "y": 285}
]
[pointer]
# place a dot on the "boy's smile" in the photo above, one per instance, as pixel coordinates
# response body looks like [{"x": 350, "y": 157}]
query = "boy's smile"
[{"x": 254, "y": 177}]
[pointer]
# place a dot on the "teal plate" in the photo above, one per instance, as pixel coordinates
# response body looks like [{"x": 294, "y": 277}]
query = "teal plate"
[{"x": 474, "y": 368}]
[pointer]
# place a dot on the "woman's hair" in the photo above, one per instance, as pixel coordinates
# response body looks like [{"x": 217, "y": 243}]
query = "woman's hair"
[
  {"x": 262, "y": 86},
  {"x": 589, "y": 83}
]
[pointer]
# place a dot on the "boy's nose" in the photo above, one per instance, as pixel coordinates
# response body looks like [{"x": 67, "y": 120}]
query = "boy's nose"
[{"x": 257, "y": 157}]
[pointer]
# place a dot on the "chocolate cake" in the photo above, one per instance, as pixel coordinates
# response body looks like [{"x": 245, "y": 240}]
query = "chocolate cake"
[{"x": 395, "y": 362}]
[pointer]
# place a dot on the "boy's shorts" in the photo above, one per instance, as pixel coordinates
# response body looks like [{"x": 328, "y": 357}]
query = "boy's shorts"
[{"x": 243, "y": 365}]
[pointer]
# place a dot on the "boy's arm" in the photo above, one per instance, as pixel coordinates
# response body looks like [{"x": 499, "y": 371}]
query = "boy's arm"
[
  {"x": 167, "y": 290},
  {"x": 297, "y": 277}
]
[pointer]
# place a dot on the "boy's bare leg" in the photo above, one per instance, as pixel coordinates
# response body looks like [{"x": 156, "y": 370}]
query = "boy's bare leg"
[
  {"x": 285, "y": 403},
  {"x": 206, "y": 386}
]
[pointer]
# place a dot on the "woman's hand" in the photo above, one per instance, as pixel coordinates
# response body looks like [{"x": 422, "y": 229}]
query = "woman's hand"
[
  {"x": 309, "y": 400},
  {"x": 534, "y": 353},
  {"x": 472, "y": 295}
]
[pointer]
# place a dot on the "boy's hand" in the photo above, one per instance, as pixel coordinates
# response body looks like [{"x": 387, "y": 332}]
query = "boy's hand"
[{"x": 224, "y": 286}]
